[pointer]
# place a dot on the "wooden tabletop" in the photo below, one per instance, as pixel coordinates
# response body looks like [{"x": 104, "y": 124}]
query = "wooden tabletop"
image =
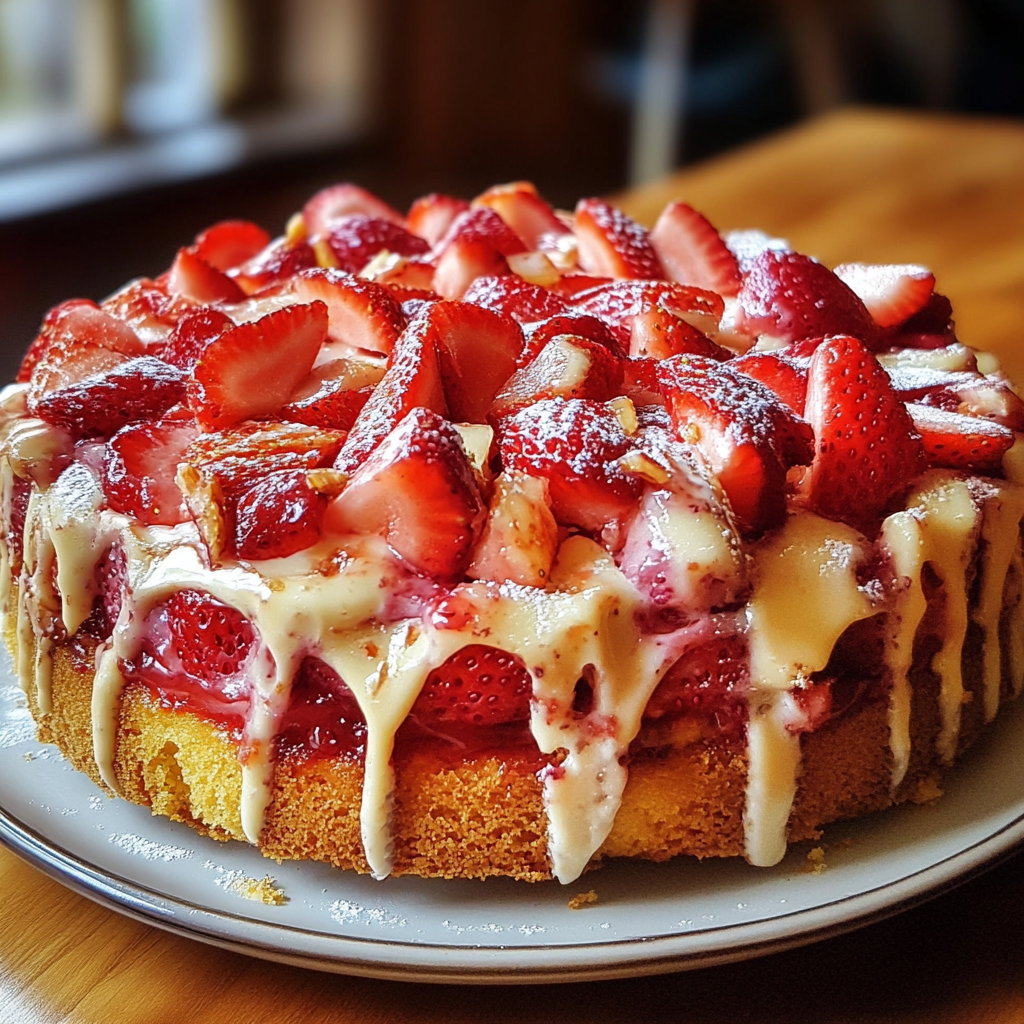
[{"x": 855, "y": 185}]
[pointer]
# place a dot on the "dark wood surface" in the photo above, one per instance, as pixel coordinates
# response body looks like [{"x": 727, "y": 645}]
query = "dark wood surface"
[{"x": 854, "y": 185}]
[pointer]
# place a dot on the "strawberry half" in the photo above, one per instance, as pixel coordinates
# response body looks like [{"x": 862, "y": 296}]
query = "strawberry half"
[
  {"x": 613, "y": 245},
  {"x": 42, "y": 341},
  {"x": 866, "y": 448},
  {"x": 278, "y": 515},
  {"x": 692, "y": 251},
  {"x": 210, "y": 639},
  {"x": 418, "y": 491},
  {"x": 344, "y": 200},
  {"x": 252, "y": 370},
  {"x": 524, "y": 302},
  {"x": 580, "y": 324},
  {"x": 194, "y": 279},
  {"x": 355, "y": 240},
  {"x": 279, "y": 261},
  {"x": 432, "y": 215},
  {"x": 230, "y": 243},
  {"x": 891, "y": 292},
  {"x": 955, "y": 441},
  {"x": 191, "y": 334},
  {"x": 334, "y": 394},
  {"x": 785, "y": 377},
  {"x": 523, "y": 211}
]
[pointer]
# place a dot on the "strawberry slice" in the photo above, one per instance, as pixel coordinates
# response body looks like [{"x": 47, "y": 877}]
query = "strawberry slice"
[
  {"x": 572, "y": 285},
  {"x": 477, "y": 686},
  {"x": 482, "y": 225},
  {"x": 789, "y": 296},
  {"x": 101, "y": 403},
  {"x": 194, "y": 279},
  {"x": 523, "y": 210},
  {"x": 359, "y": 313},
  {"x": 252, "y": 370},
  {"x": 148, "y": 309},
  {"x": 418, "y": 491},
  {"x": 612, "y": 245},
  {"x": 891, "y": 292},
  {"x": 524, "y": 302},
  {"x": 931, "y": 327},
  {"x": 746, "y": 245},
  {"x": 785, "y": 377},
  {"x": 692, "y": 251},
  {"x": 867, "y": 450},
  {"x": 191, "y": 334},
  {"x": 334, "y": 394},
  {"x": 574, "y": 444},
  {"x": 210, "y": 639},
  {"x": 344, "y": 200},
  {"x": 356, "y": 239},
  {"x": 432, "y": 215},
  {"x": 955, "y": 441},
  {"x": 580, "y": 324},
  {"x": 229, "y": 243},
  {"x": 462, "y": 262},
  {"x": 139, "y": 466},
  {"x": 42, "y": 341},
  {"x": 747, "y": 436},
  {"x": 279, "y": 261},
  {"x": 278, "y": 515}
]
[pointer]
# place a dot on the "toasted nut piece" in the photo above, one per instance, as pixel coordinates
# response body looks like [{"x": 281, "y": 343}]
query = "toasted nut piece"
[
  {"x": 642, "y": 465},
  {"x": 330, "y": 482},
  {"x": 626, "y": 412},
  {"x": 295, "y": 232}
]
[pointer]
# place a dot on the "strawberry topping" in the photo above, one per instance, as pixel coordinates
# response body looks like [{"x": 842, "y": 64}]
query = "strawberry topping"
[
  {"x": 344, "y": 200},
  {"x": 892, "y": 293},
  {"x": 355, "y": 240},
  {"x": 278, "y": 515},
  {"x": 692, "y": 251},
  {"x": 612, "y": 245},
  {"x": 524, "y": 302},
  {"x": 961, "y": 442},
  {"x": 432, "y": 215},
  {"x": 230, "y": 243}
]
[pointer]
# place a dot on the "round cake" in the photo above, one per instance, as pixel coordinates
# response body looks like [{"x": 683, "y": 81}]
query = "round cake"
[{"x": 492, "y": 539}]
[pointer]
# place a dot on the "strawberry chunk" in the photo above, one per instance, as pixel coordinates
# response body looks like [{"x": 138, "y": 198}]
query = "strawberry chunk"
[
  {"x": 278, "y": 515},
  {"x": 100, "y": 404},
  {"x": 931, "y": 327},
  {"x": 785, "y": 377},
  {"x": 867, "y": 450},
  {"x": 344, "y": 200},
  {"x": 51, "y": 324},
  {"x": 209, "y": 638},
  {"x": 418, "y": 491},
  {"x": 524, "y": 212},
  {"x": 524, "y": 302},
  {"x": 139, "y": 468},
  {"x": 360, "y": 313},
  {"x": 323, "y": 717},
  {"x": 574, "y": 444},
  {"x": 572, "y": 285},
  {"x": 230, "y": 243},
  {"x": 477, "y": 686},
  {"x": 191, "y": 334},
  {"x": 148, "y": 309},
  {"x": 279, "y": 261},
  {"x": 252, "y": 370},
  {"x": 194, "y": 279},
  {"x": 692, "y": 251},
  {"x": 432, "y": 215},
  {"x": 334, "y": 394},
  {"x": 789, "y": 296},
  {"x": 355, "y": 240},
  {"x": 582, "y": 325},
  {"x": 485, "y": 226},
  {"x": 955, "y": 441},
  {"x": 612, "y": 245},
  {"x": 892, "y": 293},
  {"x": 476, "y": 245}
]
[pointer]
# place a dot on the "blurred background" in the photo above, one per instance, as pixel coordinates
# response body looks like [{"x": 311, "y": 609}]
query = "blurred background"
[{"x": 128, "y": 125}]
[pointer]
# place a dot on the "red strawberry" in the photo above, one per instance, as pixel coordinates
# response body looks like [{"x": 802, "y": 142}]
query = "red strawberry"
[
  {"x": 476, "y": 686},
  {"x": 431, "y": 216},
  {"x": 462, "y": 262},
  {"x": 323, "y": 717},
  {"x": 573, "y": 284},
  {"x": 892, "y": 292},
  {"x": 230, "y": 243},
  {"x": 574, "y": 445},
  {"x": 866, "y": 448},
  {"x": 692, "y": 251},
  {"x": 356, "y": 239},
  {"x": 139, "y": 467},
  {"x": 580, "y": 324},
  {"x": 252, "y": 370},
  {"x": 66, "y": 363},
  {"x": 963, "y": 442},
  {"x": 483, "y": 225},
  {"x": 359, "y": 313},
  {"x": 111, "y": 582},
  {"x": 334, "y": 394},
  {"x": 790, "y": 296},
  {"x": 524, "y": 212},
  {"x": 195, "y": 279},
  {"x": 102, "y": 403},
  {"x": 42, "y": 341},
  {"x": 417, "y": 490},
  {"x": 191, "y": 334},
  {"x": 747, "y": 436},
  {"x": 147, "y": 308},
  {"x": 344, "y": 200},
  {"x": 785, "y": 377},
  {"x": 612, "y": 245},
  {"x": 748, "y": 244},
  {"x": 278, "y": 515},
  {"x": 209, "y": 638},
  {"x": 524, "y": 302},
  {"x": 931, "y": 327},
  {"x": 276, "y": 263}
]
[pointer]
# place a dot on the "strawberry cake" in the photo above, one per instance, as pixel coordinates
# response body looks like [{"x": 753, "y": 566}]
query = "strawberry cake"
[{"x": 491, "y": 539}]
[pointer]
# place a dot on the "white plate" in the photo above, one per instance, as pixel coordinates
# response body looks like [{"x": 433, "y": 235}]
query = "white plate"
[{"x": 648, "y": 917}]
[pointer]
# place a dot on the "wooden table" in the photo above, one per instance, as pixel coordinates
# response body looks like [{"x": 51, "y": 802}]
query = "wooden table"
[{"x": 855, "y": 185}]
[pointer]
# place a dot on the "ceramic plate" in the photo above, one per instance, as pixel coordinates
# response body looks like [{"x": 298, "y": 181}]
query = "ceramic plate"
[{"x": 647, "y": 918}]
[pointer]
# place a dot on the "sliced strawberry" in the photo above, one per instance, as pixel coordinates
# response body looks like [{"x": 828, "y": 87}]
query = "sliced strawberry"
[
  {"x": 692, "y": 251},
  {"x": 891, "y": 292},
  {"x": 785, "y": 377},
  {"x": 432, "y": 215},
  {"x": 581, "y": 324},
  {"x": 574, "y": 444},
  {"x": 140, "y": 464},
  {"x": 746, "y": 245},
  {"x": 191, "y": 334},
  {"x": 356, "y": 239},
  {"x": 612, "y": 245},
  {"x": 641, "y": 382},
  {"x": 252, "y": 370},
  {"x": 102, "y": 403},
  {"x": 485, "y": 226},
  {"x": 230, "y": 243},
  {"x": 276, "y": 263},
  {"x": 524, "y": 302},
  {"x": 148, "y": 309},
  {"x": 334, "y": 394},
  {"x": 789, "y": 296},
  {"x": 747, "y": 436},
  {"x": 476, "y": 686},
  {"x": 572, "y": 285},
  {"x": 209, "y": 638},
  {"x": 344, "y": 200},
  {"x": 196, "y": 280},
  {"x": 419, "y": 492},
  {"x": 41, "y": 343},
  {"x": 962, "y": 442},
  {"x": 66, "y": 363},
  {"x": 462, "y": 262},
  {"x": 932, "y": 327},
  {"x": 867, "y": 451},
  {"x": 277, "y": 516},
  {"x": 523, "y": 211}
]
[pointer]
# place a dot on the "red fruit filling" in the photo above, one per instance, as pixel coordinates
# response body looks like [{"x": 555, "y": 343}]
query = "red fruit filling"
[{"x": 323, "y": 718}]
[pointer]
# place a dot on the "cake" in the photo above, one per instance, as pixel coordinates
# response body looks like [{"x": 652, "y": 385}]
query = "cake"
[{"x": 491, "y": 539}]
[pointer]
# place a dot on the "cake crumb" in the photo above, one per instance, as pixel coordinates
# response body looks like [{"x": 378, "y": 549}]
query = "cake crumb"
[
  {"x": 262, "y": 890},
  {"x": 582, "y": 899},
  {"x": 815, "y": 863},
  {"x": 926, "y": 791}
]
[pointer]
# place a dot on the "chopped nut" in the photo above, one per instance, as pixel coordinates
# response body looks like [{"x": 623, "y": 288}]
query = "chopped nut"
[
  {"x": 330, "y": 482},
  {"x": 626, "y": 413},
  {"x": 642, "y": 465},
  {"x": 295, "y": 232},
  {"x": 815, "y": 863},
  {"x": 324, "y": 253}
]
